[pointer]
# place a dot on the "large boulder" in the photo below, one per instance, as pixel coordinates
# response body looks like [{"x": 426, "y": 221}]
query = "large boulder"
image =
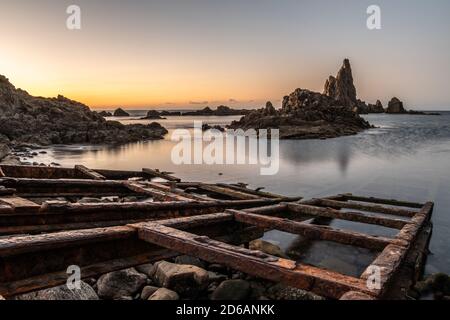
[
  {"x": 123, "y": 283},
  {"x": 153, "y": 114},
  {"x": 395, "y": 106},
  {"x": 187, "y": 280},
  {"x": 86, "y": 292}
]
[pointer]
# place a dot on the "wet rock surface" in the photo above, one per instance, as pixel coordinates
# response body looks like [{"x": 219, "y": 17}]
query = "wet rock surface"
[{"x": 26, "y": 119}]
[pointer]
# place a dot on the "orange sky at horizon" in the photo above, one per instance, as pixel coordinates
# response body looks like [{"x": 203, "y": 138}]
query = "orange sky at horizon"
[{"x": 180, "y": 54}]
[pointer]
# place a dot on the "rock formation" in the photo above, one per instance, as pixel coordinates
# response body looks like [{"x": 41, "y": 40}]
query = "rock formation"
[
  {"x": 395, "y": 106},
  {"x": 25, "y": 119},
  {"x": 121, "y": 113},
  {"x": 152, "y": 115},
  {"x": 342, "y": 88},
  {"x": 105, "y": 114},
  {"x": 220, "y": 111},
  {"x": 306, "y": 114}
]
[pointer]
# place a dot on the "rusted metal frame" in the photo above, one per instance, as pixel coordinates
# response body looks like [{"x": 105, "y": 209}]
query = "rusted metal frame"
[
  {"x": 89, "y": 173},
  {"x": 158, "y": 174},
  {"x": 175, "y": 190},
  {"x": 314, "y": 231},
  {"x": 392, "y": 202},
  {"x": 346, "y": 215},
  {"x": 67, "y": 216},
  {"x": 154, "y": 193},
  {"x": 227, "y": 192},
  {"x": 365, "y": 207},
  {"x": 256, "y": 263},
  {"x": 38, "y": 172},
  {"x": 250, "y": 191},
  {"x": 7, "y": 191},
  {"x": 19, "y": 204},
  {"x": 97, "y": 251},
  {"x": 389, "y": 261}
]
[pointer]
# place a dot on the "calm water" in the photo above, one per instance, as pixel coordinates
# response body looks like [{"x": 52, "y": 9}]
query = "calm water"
[{"x": 406, "y": 157}]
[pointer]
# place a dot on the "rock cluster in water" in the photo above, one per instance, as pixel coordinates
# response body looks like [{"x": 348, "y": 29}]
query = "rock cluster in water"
[{"x": 25, "y": 119}]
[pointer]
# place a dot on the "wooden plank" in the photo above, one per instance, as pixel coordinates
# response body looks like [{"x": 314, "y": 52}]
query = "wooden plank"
[
  {"x": 345, "y": 215},
  {"x": 227, "y": 192},
  {"x": 89, "y": 173},
  {"x": 256, "y": 263},
  {"x": 314, "y": 231},
  {"x": 154, "y": 193},
  {"x": 392, "y": 202},
  {"x": 158, "y": 174},
  {"x": 363, "y": 207},
  {"x": 20, "y": 204}
]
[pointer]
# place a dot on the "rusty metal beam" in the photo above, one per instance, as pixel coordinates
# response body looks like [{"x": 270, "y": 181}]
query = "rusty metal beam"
[
  {"x": 346, "y": 215},
  {"x": 314, "y": 231},
  {"x": 158, "y": 174},
  {"x": 89, "y": 173},
  {"x": 256, "y": 263},
  {"x": 366, "y": 207},
  {"x": 392, "y": 202}
]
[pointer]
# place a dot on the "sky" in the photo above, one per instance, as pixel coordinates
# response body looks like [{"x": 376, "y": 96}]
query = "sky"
[{"x": 169, "y": 54}]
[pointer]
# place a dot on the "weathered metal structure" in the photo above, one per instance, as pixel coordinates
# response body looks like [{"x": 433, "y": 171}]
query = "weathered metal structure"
[{"x": 44, "y": 229}]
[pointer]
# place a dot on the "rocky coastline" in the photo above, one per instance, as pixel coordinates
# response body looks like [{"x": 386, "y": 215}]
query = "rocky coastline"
[{"x": 29, "y": 120}]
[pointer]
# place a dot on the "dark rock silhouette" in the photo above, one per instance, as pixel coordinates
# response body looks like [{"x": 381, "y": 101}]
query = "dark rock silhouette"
[
  {"x": 395, "y": 106},
  {"x": 342, "y": 88},
  {"x": 121, "y": 113},
  {"x": 25, "y": 119}
]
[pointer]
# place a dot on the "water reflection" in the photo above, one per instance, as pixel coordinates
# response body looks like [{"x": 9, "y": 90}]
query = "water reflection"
[{"x": 406, "y": 157}]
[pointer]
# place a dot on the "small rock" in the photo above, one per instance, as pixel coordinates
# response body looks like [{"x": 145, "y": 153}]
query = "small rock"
[
  {"x": 187, "y": 280},
  {"x": 148, "y": 291},
  {"x": 147, "y": 269},
  {"x": 282, "y": 292},
  {"x": 164, "y": 294},
  {"x": 86, "y": 292},
  {"x": 188, "y": 260},
  {"x": 215, "y": 267},
  {"x": 267, "y": 247},
  {"x": 120, "y": 283},
  {"x": 232, "y": 290},
  {"x": 216, "y": 277}
]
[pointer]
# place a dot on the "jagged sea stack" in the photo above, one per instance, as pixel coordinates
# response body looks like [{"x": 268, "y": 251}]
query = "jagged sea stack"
[{"x": 341, "y": 87}]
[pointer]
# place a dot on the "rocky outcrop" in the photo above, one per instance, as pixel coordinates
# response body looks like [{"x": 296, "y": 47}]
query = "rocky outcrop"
[
  {"x": 121, "y": 113},
  {"x": 25, "y": 119},
  {"x": 308, "y": 115},
  {"x": 220, "y": 111},
  {"x": 152, "y": 115},
  {"x": 105, "y": 114},
  {"x": 395, "y": 106},
  {"x": 305, "y": 115},
  {"x": 342, "y": 88}
]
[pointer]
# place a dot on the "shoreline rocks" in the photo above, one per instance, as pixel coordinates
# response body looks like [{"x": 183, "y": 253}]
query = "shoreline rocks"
[
  {"x": 44, "y": 121},
  {"x": 120, "y": 113}
]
